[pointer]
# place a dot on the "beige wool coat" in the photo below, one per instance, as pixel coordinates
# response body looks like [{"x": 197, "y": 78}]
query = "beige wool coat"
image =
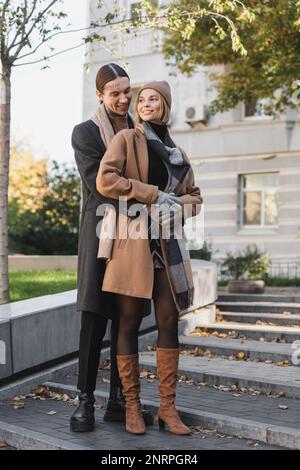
[{"x": 123, "y": 172}]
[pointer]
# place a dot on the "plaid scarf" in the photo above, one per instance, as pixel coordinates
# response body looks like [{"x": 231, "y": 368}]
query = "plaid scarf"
[{"x": 178, "y": 257}]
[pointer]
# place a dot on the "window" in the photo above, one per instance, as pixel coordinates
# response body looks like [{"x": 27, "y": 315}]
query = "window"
[
  {"x": 135, "y": 9},
  {"x": 258, "y": 108},
  {"x": 259, "y": 199}
]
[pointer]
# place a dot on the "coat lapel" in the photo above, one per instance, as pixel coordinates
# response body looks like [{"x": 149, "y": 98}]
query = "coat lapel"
[{"x": 141, "y": 155}]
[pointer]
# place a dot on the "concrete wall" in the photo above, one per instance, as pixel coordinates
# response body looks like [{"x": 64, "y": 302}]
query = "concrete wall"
[
  {"x": 45, "y": 328},
  {"x": 43, "y": 263}
]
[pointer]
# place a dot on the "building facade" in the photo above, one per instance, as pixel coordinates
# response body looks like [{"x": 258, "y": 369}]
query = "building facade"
[{"x": 247, "y": 165}]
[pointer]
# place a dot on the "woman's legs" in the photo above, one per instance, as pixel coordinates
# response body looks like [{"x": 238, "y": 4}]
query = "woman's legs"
[
  {"x": 165, "y": 311},
  {"x": 130, "y": 317},
  {"x": 167, "y": 353}
]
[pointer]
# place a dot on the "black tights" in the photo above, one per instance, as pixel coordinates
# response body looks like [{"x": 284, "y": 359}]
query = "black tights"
[{"x": 130, "y": 317}]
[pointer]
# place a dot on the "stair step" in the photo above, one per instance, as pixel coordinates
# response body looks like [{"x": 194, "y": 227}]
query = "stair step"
[
  {"x": 246, "y": 417},
  {"x": 261, "y": 307},
  {"x": 286, "y": 334},
  {"x": 253, "y": 317},
  {"x": 264, "y": 377},
  {"x": 226, "y": 297},
  {"x": 259, "y": 350}
]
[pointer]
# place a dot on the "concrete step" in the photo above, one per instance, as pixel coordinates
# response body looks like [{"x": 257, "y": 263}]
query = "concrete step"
[
  {"x": 287, "y": 334},
  {"x": 260, "y": 307},
  {"x": 254, "y": 350},
  {"x": 244, "y": 416},
  {"x": 254, "y": 317},
  {"x": 44, "y": 425},
  {"x": 281, "y": 298},
  {"x": 259, "y": 376}
]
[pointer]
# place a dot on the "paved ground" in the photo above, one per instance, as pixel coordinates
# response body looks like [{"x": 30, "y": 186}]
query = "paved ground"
[
  {"x": 110, "y": 436},
  {"x": 259, "y": 408}
]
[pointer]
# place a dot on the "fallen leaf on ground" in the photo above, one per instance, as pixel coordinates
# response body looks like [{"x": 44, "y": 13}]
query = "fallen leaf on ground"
[
  {"x": 40, "y": 390},
  {"x": 104, "y": 365},
  {"x": 106, "y": 381},
  {"x": 183, "y": 378},
  {"x": 240, "y": 355},
  {"x": 19, "y": 398},
  {"x": 19, "y": 405},
  {"x": 99, "y": 407},
  {"x": 145, "y": 373},
  {"x": 65, "y": 397}
]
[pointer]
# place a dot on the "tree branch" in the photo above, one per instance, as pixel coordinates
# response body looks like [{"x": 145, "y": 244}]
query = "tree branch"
[
  {"x": 49, "y": 56},
  {"x": 35, "y": 22},
  {"x": 23, "y": 25}
]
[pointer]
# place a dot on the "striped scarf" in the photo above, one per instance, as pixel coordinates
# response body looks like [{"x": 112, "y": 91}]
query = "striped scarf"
[{"x": 178, "y": 257}]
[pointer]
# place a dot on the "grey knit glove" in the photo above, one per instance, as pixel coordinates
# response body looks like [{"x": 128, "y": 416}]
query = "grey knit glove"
[
  {"x": 163, "y": 198},
  {"x": 175, "y": 199},
  {"x": 169, "y": 206}
]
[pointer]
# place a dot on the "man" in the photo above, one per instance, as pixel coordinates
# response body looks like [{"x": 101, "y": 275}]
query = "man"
[{"x": 90, "y": 140}]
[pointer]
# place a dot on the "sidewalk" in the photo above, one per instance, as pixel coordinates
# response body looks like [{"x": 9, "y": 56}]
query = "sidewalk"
[{"x": 31, "y": 427}]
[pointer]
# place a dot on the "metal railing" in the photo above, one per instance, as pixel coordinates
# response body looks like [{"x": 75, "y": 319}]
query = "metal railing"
[{"x": 280, "y": 269}]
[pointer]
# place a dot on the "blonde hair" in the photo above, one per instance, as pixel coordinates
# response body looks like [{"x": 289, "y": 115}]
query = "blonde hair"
[{"x": 165, "y": 111}]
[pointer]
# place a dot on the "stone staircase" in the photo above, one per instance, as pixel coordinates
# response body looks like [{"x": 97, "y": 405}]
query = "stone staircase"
[{"x": 237, "y": 375}]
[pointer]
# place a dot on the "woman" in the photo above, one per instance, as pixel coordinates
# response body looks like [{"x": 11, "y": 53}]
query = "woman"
[{"x": 144, "y": 164}]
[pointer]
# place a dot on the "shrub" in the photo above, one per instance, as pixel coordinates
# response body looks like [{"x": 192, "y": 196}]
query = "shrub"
[
  {"x": 205, "y": 252},
  {"x": 249, "y": 264}
]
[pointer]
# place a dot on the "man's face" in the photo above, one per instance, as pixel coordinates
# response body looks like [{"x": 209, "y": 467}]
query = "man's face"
[{"x": 116, "y": 95}]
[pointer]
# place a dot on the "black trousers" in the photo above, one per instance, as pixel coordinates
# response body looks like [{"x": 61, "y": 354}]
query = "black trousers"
[{"x": 92, "y": 332}]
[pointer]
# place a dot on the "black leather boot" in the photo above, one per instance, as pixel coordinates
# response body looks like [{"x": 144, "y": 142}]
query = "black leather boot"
[
  {"x": 83, "y": 419},
  {"x": 115, "y": 410}
]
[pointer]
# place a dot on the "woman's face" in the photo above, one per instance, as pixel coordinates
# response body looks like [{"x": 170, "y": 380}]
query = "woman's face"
[
  {"x": 149, "y": 105},
  {"x": 116, "y": 95}
]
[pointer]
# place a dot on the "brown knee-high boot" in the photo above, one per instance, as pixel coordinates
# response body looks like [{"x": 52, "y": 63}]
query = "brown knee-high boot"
[
  {"x": 129, "y": 374},
  {"x": 167, "y": 367}
]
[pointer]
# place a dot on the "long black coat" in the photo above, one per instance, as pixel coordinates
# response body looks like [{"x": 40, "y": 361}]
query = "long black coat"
[{"x": 89, "y": 149}]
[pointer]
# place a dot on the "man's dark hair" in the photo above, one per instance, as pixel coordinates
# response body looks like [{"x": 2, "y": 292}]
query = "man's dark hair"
[{"x": 107, "y": 73}]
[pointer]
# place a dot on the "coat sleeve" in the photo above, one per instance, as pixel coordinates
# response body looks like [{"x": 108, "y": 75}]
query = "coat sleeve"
[
  {"x": 191, "y": 196},
  {"x": 110, "y": 181},
  {"x": 88, "y": 154}
]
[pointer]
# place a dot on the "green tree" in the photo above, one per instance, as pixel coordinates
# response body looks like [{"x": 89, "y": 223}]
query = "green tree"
[
  {"x": 270, "y": 69},
  {"x": 51, "y": 226},
  {"x": 25, "y": 25}
]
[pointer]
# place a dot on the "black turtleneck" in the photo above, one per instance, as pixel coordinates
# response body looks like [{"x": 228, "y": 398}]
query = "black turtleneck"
[{"x": 157, "y": 172}]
